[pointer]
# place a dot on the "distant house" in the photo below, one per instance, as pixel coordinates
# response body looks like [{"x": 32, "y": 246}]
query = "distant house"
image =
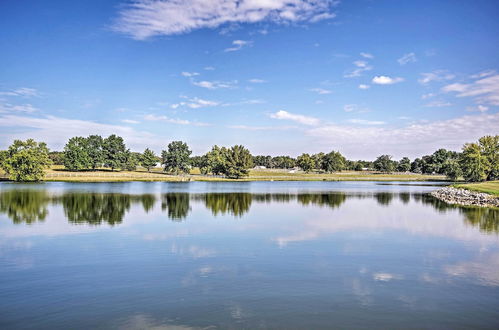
[{"x": 260, "y": 167}]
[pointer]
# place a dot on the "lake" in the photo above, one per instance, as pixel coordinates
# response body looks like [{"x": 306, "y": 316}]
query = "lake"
[{"x": 289, "y": 255}]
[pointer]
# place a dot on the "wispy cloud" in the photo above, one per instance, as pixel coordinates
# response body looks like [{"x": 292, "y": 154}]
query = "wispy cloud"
[
  {"x": 412, "y": 140},
  {"x": 484, "y": 90},
  {"x": 27, "y": 108},
  {"x": 437, "y": 75},
  {"x": 257, "y": 81},
  {"x": 238, "y": 45},
  {"x": 364, "y": 86},
  {"x": 320, "y": 91},
  {"x": 194, "y": 103},
  {"x": 361, "y": 66},
  {"x": 142, "y": 19},
  {"x": 355, "y": 108},
  {"x": 366, "y": 122},
  {"x": 438, "y": 104},
  {"x": 260, "y": 128},
  {"x": 177, "y": 121},
  {"x": 385, "y": 80},
  {"x": 130, "y": 121},
  {"x": 23, "y": 92},
  {"x": 407, "y": 58},
  {"x": 215, "y": 84},
  {"x": 189, "y": 74},
  {"x": 305, "y": 120},
  {"x": 367, "y": 55}
]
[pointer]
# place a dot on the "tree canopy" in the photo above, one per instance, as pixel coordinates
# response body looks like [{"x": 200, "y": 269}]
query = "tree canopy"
[
  {"x": 176, "y": 158},
  {"x": 26, "y": 160}
]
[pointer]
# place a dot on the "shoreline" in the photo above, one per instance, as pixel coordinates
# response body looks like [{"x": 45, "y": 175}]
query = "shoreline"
[{"x": 465, "y": 197}]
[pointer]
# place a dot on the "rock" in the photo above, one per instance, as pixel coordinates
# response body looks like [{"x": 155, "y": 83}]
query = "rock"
[{"x": 465, "y": 197}]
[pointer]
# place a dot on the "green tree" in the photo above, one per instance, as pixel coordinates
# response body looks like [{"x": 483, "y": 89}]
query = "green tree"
[
  {"x": 214, "y": 161},
  {"x": 417, "y": 166},
  {"x": 114, "y": 150},
  {"x": 333, "y": 162},
  {"x": 238, "y": 161},
  {"x": 318, "y": 159},
  {"x": 176, "y": 159},
  {"x": 148, "y": 159},
  {"x": 95, "y": 150},
  {"x": 131, "y": 160},
  {"x": 404, "y": 165},
  {"x": 452, "y": 169},
  {"x": 489, "y": 148},
  {"x": 473, "y": 163},
  {"x": 26, "y": 160},
  {"x": 305, "y": 162},
  {"x": 76, "y": 156},
  {"x": 384, "y": 163},
  {"x": 56, "y": 157}
]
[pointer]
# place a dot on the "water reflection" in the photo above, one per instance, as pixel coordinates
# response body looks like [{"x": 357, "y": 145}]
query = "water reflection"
[{"x": 30, "y": 206}]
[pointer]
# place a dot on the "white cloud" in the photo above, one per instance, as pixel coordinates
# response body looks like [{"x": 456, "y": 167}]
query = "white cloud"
[
  {"x": 478, "y": 108},
  {"x": 484, "y": 90},
  {"x": 215, "y": 84},
  {"x": 412, "y": 140},
  {"x": 189, "y": 74},
  {"x": 407, "y": 58},
  {"x": 427, "y": 96},
  {"x": 27, "y": 108},
  {"x": 362, "y": 66},
  {"x": 142, "y": 19},
  {"x": 320, "y": 91},
  {"x": 55, "y": 131},
  {"x": 173, "y": 120},
  {"x": 438, "y": 104},
  {"x": 257, "y": 81},
  {"x": 130, "y": 121},
  {"x": 209, "y": 68},
  {"x": 366, "y": 122},
  {"x": 260, "y": 128},
  {"x": 364, "y": 86},
  {"x": 23, "y": 92},
  {"x": 437, "y": 75},
  {"x": 195, "y": 103},
  {"x": 367, "y": 55},
  {"x": 385, "y": 80},
  {"x": 238, "y": 45},
  {"x": 355, "y": 108},
  {"x": 305, "y": 120},
  {"x": 483, "y": 74}
]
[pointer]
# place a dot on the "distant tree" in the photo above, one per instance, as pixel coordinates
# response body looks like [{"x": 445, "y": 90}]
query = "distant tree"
[
  {"x": 214, "y": 161},
  {"x": 305, "y": 162},
  {"x": 384, "y": 163},
  {"x": 148, "y": 159},
  {"x": 417, "y": 166},
  {"x": 473, "y": 163},
  {"x": 176, "y": 158},
  {"x": 132, "y": 160},
  {"x": 283, "y": 162},
  {"x": 263, "y": 161},
  {"x": 333, "y": 161},
  {"x": 196, "y": 161},
  {"x": 318, "y": 159},
  {"x": 452, "y": 169},
  {"x": 238, "y": 161},
  {"x": 489, "y": 148},
  {"x": 76, "y": 156},
  {"x": 56, "y": 157},
  {"x": 26, "y": 160},
  {"x": 3, "y": 156},
  {"x": 404, "y": 165},
  {"x": 358, "y": 166},
  {"x": 114, "y": 150},
  {"x": 95, "y": 150}
]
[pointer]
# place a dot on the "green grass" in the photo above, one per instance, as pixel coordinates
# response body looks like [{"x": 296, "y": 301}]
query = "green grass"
[
  {"x": 58, "y": 173},
  {"x": 490, "y": 187}
]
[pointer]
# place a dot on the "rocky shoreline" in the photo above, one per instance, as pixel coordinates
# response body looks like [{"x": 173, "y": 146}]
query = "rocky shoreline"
[{"x": 465, "y": 197}]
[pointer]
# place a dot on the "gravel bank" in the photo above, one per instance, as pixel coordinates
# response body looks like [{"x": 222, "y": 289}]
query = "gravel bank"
[{"x": 465, "y": 197}]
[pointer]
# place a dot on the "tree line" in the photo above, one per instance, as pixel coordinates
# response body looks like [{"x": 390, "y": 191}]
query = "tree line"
[{"x": 26, "y": 160}]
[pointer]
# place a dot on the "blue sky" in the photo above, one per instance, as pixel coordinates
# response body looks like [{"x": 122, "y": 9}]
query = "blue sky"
[{"x": 278, "y": 76}]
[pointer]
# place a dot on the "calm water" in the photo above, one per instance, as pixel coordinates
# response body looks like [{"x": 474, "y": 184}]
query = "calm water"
[{"x": 244, "y": 255}]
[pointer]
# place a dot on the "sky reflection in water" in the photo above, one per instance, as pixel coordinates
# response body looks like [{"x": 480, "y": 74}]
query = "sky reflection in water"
[{"x": 253, "y": 255}]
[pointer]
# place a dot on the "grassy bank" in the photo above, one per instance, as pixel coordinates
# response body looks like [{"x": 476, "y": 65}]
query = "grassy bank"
[
  {"x": 58, "y": 173},
  {"x": 491, "y": 187}
]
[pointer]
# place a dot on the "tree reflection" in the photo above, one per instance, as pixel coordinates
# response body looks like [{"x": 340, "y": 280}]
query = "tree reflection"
[
  {"x": 487, "y": 219},
  {"x": 384, "y": 198},
  {"x": 176, "y": 204},
  {"x": 235, "y": 204},
  {"x": 95, "y": 208},
  {"x": 331, "y": 200},
  {"x": 24, "y": 206}
]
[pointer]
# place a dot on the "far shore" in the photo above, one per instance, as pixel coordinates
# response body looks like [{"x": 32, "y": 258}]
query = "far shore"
[{"x": 58, "y": 173}]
